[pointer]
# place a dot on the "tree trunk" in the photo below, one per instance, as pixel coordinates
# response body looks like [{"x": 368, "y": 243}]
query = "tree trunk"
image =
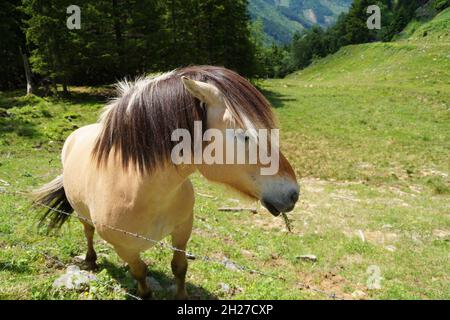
[
  {"x": 65, "y": 89},
  {"x": 55, "y": 86},
  {"x": 26, "y": 66}
]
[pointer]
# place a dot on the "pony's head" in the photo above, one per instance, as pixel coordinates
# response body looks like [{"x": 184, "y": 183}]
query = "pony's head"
[
  {"x": 237, "y": 111},
  {"x": 138, "y": 128}
]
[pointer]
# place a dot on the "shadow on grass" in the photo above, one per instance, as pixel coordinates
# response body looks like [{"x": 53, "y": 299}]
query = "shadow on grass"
[
  {"x": 16, "y": 121},
  {"x": 79, "y": 95},
  {"x": 122, "y": 275},
  {"x": 14, "y": 267},
  {"x": 275, "y": 98},
  {"x": 23, "y": 128},
  {"x": 89, "y": 95},
  {"x": 9, "y": 123}
]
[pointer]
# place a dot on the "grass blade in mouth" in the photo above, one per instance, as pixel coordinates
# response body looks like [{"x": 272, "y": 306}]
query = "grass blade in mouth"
[{"x": 287, "y": 222}]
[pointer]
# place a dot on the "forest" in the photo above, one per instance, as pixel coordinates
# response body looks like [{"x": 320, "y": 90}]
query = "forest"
[{"x": 126, "y": 38}]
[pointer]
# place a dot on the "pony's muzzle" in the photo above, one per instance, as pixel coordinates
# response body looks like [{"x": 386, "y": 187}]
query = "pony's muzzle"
[{"x": 282, "y": 203}]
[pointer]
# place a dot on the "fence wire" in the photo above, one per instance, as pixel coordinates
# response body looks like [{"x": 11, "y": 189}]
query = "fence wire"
[{"x": 229, "y": 264}]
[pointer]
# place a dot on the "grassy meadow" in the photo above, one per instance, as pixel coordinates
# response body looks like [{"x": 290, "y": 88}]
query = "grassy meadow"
[{"x": 368, "y": 133}]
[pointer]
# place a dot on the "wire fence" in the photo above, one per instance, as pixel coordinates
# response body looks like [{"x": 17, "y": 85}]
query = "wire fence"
[{"x": 227, "y": 263}]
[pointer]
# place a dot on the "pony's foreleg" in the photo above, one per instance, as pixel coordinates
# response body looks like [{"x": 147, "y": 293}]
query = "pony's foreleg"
[
  {"x": 91, "y": 256},
  {"x": 138, "y": 270},
  {"x": 180, "y": 238}
]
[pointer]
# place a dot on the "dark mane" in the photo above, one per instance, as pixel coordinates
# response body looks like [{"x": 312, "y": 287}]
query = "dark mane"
[{"x": 138, "y": 125}]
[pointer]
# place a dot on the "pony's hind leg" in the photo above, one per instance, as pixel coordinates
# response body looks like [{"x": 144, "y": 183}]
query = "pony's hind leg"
[
  {"x": 91, "y": 256},
  {"x": 138, "y": 270},
  {"x": 179, "y": 264}
]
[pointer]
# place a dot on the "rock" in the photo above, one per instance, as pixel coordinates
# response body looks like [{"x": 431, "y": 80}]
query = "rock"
[
  {"x": 5, "y": 183},
  {"x": 361, "y": 235},
  {"x": 358, "y": 294},
  {"x": 390, "y": 248},
  {"x": 230, "y": 265},
  {"x": 225, "y": 288},
  {"x": 307, "y": 257},
  {"x": 74, "y": 279},
  {"x": 79, "y": 258}
]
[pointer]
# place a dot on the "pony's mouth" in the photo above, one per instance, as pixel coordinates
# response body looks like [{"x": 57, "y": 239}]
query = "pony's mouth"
[{"x": 272, "y": 209}]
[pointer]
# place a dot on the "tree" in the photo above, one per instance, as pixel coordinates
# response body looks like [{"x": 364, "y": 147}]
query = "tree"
[
  {"x": 55, "y": 49},
  {"x": 125, "y": 38},
  {"x": 441, "y": 4},
  {"x": 13, "y": 49},
  {"x": 209, "y": 32}
]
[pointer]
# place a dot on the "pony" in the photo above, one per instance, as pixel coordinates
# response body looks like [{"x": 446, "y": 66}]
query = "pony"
[{"x": 118, "y": 172}]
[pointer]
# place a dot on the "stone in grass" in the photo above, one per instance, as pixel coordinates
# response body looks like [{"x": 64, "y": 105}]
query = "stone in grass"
[
  {"x": 390, "y": 248},
  {"x": 225, "y": 288},
  {"x": 228, "y": 289},
  {"x": 307, "y": 257},
  {"x": 79, "y": 258},
  {"x": 230, "y": 265},
  {"x": 74, "y": 279},
  {"x": 358, "y": 294}
]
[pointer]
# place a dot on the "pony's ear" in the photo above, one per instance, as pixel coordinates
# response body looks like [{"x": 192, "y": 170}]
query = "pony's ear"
[{"x": 203, "y": 91}]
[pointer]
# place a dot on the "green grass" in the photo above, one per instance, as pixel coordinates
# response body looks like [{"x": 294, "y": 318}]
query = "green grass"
[
  {"x": 433, "y": 30},
  {"x": 368, "y": 133}
]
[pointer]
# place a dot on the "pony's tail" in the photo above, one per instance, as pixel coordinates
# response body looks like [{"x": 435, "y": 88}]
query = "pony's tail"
[{"x": 51, "y": 201}]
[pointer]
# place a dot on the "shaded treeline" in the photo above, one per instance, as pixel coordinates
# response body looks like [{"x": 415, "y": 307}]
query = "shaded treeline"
[{"x": 120, "y": 38}]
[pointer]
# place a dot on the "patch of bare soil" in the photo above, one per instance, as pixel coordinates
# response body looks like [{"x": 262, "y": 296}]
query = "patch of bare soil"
[
  {"x": 267, "y": 222},
  {"x": 442, "y": 234},
  {"x": 380, "y": 237},
  {"x": 328, "y": 284}
]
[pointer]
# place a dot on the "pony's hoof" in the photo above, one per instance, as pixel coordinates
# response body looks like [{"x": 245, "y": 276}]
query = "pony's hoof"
[
  {"x": 145, "y": 295},
  {"x": 90, "y": 265}
]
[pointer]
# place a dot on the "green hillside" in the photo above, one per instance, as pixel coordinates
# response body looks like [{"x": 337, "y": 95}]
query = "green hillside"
[
  {"x": 436, "y": 29},
  {"x": 419, "y": 60},
  {"x": 408, "y": 64},
  {"x": 282, "y": 18},
  {"x": 378, "y": 90}
]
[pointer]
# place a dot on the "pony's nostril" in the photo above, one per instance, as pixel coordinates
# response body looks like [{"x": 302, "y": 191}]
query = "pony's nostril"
[{"x": 294, "y": 196}]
